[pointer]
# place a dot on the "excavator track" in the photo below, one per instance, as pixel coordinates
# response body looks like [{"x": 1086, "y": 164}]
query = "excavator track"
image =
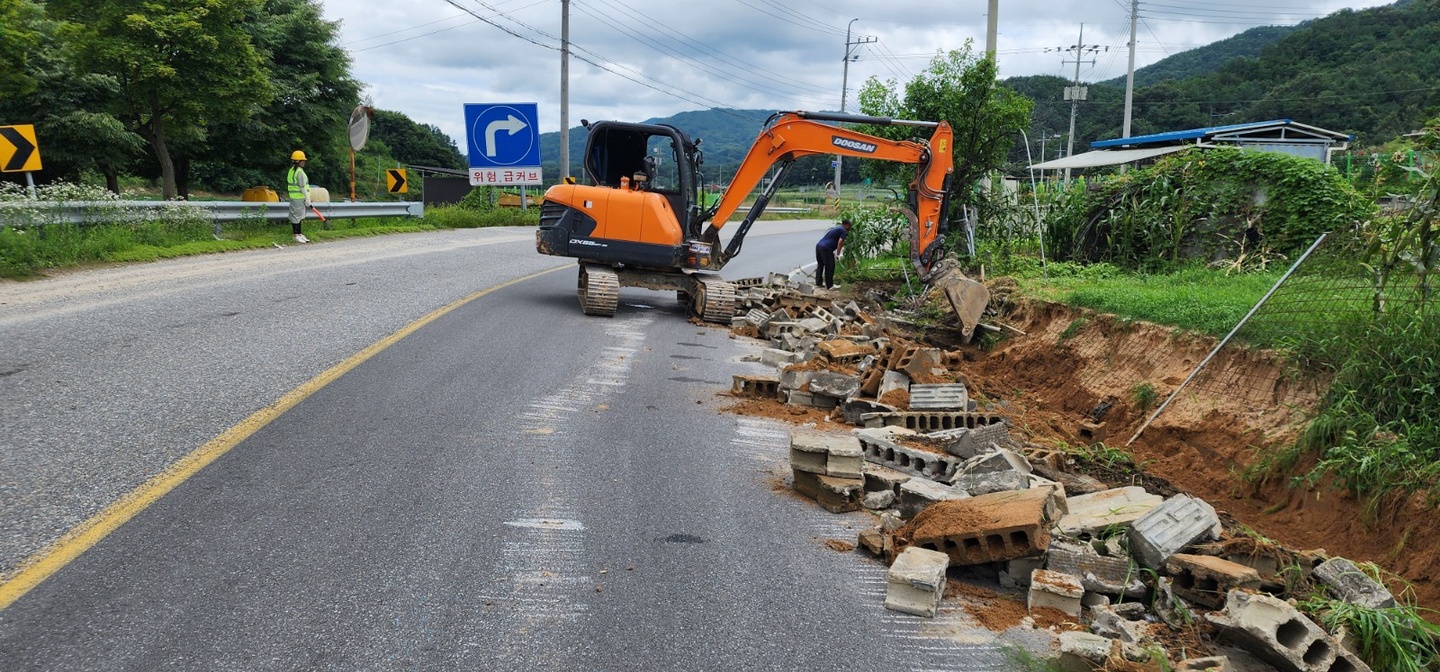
[
  {"x": 716, "y": 300},
  {"x": 599, "y": 289}
]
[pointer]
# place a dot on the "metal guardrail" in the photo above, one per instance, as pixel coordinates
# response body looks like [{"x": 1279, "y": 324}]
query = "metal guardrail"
[{"x": 80, "y": 212}]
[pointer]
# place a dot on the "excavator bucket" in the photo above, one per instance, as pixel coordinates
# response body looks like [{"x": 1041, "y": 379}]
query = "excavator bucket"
[{"x": 968, "y": 298}]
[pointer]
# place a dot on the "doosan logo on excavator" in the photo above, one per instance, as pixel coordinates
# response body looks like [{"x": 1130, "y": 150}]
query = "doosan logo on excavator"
[{"x": 855, "y": 145}]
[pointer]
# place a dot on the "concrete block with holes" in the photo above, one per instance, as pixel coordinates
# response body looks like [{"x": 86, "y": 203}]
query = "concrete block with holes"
[
  {"x": 777, "y": 357},
  {"x": 1108, "y": 509},
  {"x": 755, "y": 386},
  {"x": 881, "y": 448},
  {"x": 1344, "y": 581},
  {"x": 1278, "y": 634},
  {"x": 968, "y": 442},
  {"x": 1206, "y": 580},
  {"x": 918, "y": 362},
  {"x": 916, "y": 582},
  {"x": 1171, "y": 526},
  {"x": 1104, "y": 574},
  {"x": 826, "y": 453},
  {"x": 990, "y": 528},
  {"x": 947, "y": 425}
]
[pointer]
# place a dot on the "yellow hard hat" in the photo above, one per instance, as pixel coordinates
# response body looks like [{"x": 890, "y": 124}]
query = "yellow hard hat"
[{"x": 297, "y": 155}]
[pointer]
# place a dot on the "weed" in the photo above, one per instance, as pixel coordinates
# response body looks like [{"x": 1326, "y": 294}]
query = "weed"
[
  {"x": 1072, "y": 329},
  {"x": 1144, "y": 396},
  {"x": 1394, "y": 639},
  {"x": 1023, "y": 660}
]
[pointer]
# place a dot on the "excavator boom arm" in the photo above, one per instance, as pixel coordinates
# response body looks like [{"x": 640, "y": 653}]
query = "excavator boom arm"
[{"x": 791, "y": 135}]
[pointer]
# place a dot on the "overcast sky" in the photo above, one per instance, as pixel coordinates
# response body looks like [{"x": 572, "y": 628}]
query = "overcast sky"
[{"x": 636, "y": 59}]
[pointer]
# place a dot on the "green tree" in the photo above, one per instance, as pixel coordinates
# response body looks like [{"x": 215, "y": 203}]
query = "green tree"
[
  {"x": 416, "y": 144},
  {"x": 314, "y": 95},
  {"x": 67, "y": 106},
  {"x": 960, "y": 88},
  {"x": 18, "y": 37},
  {"x": 181, "y": 66}
]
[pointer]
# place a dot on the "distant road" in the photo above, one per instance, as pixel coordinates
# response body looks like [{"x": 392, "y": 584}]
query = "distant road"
[{"x": 507, "y": 485}]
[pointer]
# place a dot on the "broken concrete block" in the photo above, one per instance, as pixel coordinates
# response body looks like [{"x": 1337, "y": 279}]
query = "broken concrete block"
[
  {"x": 1206, "y": 664},
  {"x": 946, "y": 397},
  {"x": 738, "y": 322},
  {"x": 758, "y": 318},
  {"x": 917, "y": 494},
  {"x": 1344, "y": 581},
  {"x": 1110, "y": 575},
  {"x": 1205, "y": 580},
  {"x": 878, "y": 500},
  {"x": 882, "y": 478},
  {"x": 1058, "y": 505},
  {"x": 891, "y": 381},
  {"x": 880, "y": 448},
  {"x": 755, "y": 386},
  {"x": 854, "y": 411},
  {"x": 838, "y": 385},
  {"x": 844, "y": 351},
  {"x": 988, "y": 483},
  {"x": 819, "y": 452},
  {"x": 836, "y": 495},
  {"x": 1093, "y": 601},
  {"x": 995, "y": 462},
  {"x": 1055, "y": 590},
  {"x": 820, "y": 401},
  {"x": 1277, "y": 633},
  {"x": 794, "y": 379},
  {"x": 813, "y": 325},
  {"x": 1019, "y": 569},
  {"x": 1107, "y": 623},
  {"x": 776, "y": 357},
  {"x": 917, "y": 362},
  {"x": 1084, "y": 652},
  {"x": 969, "y": 443},
  {"x": 916, "y": 582},
  {"x": 989, "y": 528},
  {"x": 874, "y": 542},
  {"x": 1090, "y": 514},
  {"x": 1169, "y": 527}
]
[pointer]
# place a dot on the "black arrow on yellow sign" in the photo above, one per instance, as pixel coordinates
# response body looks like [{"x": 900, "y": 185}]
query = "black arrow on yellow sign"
[
  {"x": 25, "y": 157},
  {"x": 395, "y": 181}
]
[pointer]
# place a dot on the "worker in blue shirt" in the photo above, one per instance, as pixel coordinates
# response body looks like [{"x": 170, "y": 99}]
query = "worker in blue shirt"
[{"x": 827, "y": 250}]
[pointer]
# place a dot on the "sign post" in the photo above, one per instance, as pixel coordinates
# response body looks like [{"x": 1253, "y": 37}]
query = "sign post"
[{"x": 503, "y": 141}]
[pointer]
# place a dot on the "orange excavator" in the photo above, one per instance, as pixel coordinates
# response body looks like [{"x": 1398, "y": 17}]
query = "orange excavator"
[{"x": 641, "y": 223}]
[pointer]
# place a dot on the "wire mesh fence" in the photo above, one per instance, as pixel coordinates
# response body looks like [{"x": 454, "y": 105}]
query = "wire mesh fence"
[{"x": 1284, "y": 354}]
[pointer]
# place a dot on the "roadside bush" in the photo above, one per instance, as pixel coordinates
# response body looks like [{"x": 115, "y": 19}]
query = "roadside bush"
[
  {"x": 1204, "y": 204},
  {"x": 464, "y": 217}
]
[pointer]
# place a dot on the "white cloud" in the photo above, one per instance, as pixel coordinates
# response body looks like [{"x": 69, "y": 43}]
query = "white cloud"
[{"x": 427, "y": 58}]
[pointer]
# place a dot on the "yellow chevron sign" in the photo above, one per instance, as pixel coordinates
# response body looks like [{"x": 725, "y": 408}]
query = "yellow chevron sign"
[
  {"x": 19, "y": 152},
  {"x": 395, "y": 181}
]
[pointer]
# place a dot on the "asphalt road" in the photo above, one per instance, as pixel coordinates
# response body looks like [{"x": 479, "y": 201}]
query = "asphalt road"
[{"x": 513, "y": 485}]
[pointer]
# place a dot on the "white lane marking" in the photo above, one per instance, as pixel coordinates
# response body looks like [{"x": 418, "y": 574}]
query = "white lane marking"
[{"x": 545, "y": 524}]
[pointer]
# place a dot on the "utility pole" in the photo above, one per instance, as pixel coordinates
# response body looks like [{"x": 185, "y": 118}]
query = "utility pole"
[
  {"x": 564, "y": 90},
  {"x": 1076, "y": 93},
  {"x": 1130, "y": 74},
  {"x": 992, "y": 28},
  {"x": 844, "y": 87}
]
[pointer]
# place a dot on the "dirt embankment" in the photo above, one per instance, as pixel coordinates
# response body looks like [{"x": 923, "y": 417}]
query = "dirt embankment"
[{"x": 1062, "y": 374}]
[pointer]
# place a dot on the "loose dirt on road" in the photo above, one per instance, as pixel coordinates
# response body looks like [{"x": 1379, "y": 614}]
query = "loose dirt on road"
[{"x": 1053, "y": 380}]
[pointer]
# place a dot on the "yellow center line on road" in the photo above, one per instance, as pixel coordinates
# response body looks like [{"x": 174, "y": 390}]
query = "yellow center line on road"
[{"x": 52, "y": 558}]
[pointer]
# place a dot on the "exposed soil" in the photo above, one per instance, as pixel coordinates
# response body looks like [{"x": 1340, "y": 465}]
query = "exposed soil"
[
  {"x": 1051, "y": 387},
  {"x": 994, "y": 612},
  {"x": 1066, "y": 377}
]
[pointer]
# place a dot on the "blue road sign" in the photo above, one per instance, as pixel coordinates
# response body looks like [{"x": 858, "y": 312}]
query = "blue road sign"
[
  {"x": 502, "y": 135},
  {"x": 503, "y": 142}
]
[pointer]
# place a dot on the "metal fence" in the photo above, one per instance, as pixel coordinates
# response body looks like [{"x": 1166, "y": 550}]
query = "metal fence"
[{"x": 83, "y": 212}]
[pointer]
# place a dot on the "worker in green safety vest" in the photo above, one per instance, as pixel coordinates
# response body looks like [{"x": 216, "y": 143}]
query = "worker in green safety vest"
[{"x": 298, "y": 191}]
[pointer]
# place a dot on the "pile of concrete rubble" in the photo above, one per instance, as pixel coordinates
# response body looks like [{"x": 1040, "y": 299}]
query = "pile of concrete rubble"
[{"x": 953, "y": 484}]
